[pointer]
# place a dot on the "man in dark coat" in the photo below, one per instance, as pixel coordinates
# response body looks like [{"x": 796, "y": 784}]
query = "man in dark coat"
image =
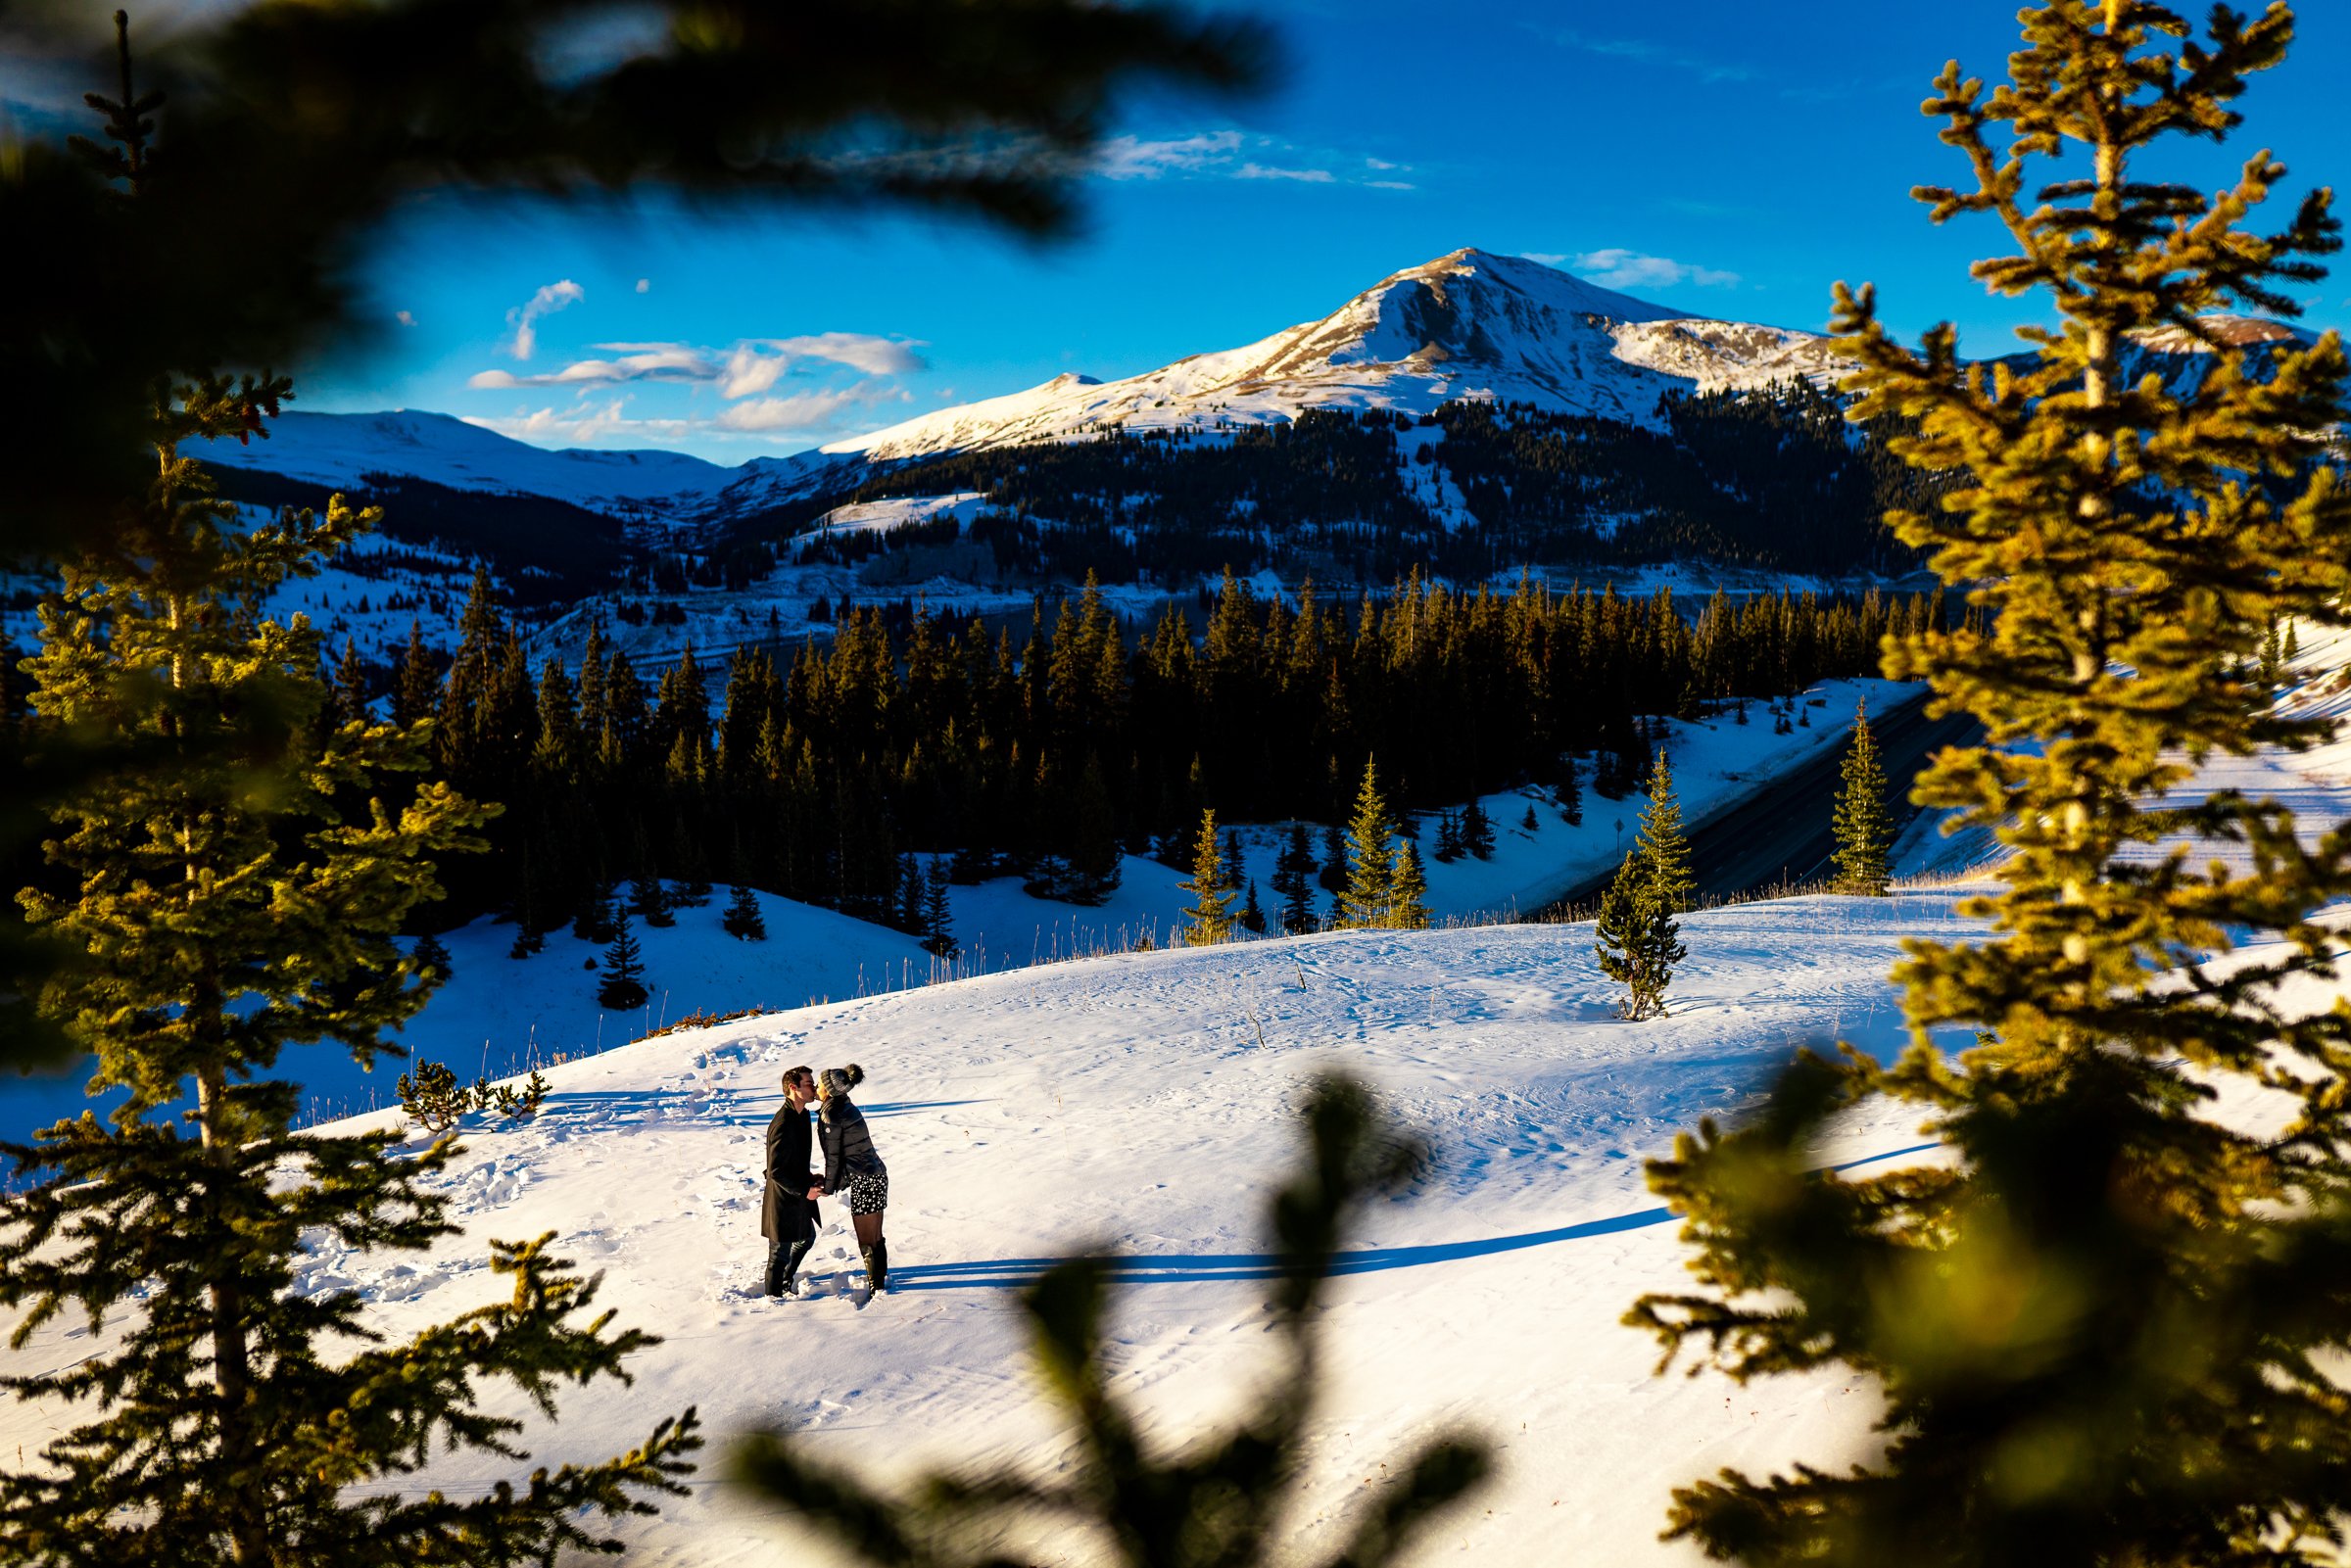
[{"x": 787, "y": 1215}]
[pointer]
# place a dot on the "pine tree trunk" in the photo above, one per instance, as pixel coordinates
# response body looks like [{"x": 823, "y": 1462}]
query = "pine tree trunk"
[
  {"x": 232, "y": 1361},
  {"x": 232, "y": 1367}
]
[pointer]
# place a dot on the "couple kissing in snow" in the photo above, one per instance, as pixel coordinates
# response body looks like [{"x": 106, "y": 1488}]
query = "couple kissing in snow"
[{"x": 787, "y": 1216}]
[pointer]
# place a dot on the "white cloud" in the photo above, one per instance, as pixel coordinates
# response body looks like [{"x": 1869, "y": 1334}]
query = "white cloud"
[
  {"x": 753, "y": 366},
  {"x": 1131, "y": 158},
  {"x": 876, "y": 356},
  {"x": 1618, "y": 268},
  {"x": 1312, "y": 176},
  {"x": 645, "y": 285},
  {"x": 647, "y": 361},
  {"x": 806, "y": 411},
  {"x": 524, "y": 318},
  {"x": 583, "y": 426},
  {"x": 1236, "y": 154},
  {"x": 407, "y": 318}
]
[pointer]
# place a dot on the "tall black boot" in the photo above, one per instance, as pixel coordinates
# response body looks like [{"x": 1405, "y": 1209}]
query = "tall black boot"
[
  {"x": 792, "y": 1268},
  {"x": 877, "y": 1264},
  {"x": 783, "y": 1265}
]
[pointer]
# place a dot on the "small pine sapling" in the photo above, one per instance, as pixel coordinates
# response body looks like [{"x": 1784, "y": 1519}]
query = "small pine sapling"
[
  {"x": 1371, "y": 857},
  {"x": 517, "y": 1105},
  {"x": 1863, "y": 828},
  {"x": 741, "y": 918},
  {"x": 1637, "y": 939},
  {"x": 1408, "y": 887},
  {"x": 1663, "y": 848},
  {"x": 1449, "y": 839},
  {"x": 1253, "y": 915},
  {"x": 623, "y": 985},
  {"x": 1209, "y": 919},
  {"x": 433, "y": 1096}
]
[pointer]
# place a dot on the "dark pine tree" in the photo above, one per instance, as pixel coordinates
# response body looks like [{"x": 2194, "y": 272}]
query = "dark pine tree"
[
  {"x": 741, "y": 918},
  {"x": 622, "y": 986},
  {"x": 1333, "y": 875},
  {"x": 1294, "y": 881},
  {"x": 1477, "y": 831},
  {"x": 1448, "y": 838},
  {"x": 649, "y": 901},
  {"x": 938, "y": 915}
]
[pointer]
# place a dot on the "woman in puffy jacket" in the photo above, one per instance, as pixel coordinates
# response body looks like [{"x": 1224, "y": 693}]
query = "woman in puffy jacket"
[{"x": 852, "y": 1169}]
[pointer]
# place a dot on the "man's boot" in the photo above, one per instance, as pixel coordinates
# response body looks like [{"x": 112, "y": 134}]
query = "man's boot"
[
  {"x": 775, "y": 1268},
  {"x": 792, "y": 1269}
]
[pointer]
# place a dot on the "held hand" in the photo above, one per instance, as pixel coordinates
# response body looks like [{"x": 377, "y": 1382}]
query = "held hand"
[{"x": 814, "y": 1193}]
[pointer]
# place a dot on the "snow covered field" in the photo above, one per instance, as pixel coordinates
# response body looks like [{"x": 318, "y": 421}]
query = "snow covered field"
[{"x": 1146, "y": 1102}]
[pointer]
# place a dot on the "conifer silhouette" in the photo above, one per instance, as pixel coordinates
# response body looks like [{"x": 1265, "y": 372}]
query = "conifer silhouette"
[{"x": 622, "y": 986}]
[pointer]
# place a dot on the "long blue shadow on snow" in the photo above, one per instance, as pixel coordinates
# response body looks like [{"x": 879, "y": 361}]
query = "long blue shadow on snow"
[{"x": 1191, "y": 1268}]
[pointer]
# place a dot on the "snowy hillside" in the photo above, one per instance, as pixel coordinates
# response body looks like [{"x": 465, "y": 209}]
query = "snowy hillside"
[
  {"x": 347, "y": 450},
  {"x": 1146, "y": 1102}
]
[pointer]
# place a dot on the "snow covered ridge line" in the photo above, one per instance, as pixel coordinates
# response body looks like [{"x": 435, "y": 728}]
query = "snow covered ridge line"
[{"x": 1469, "y": 324}]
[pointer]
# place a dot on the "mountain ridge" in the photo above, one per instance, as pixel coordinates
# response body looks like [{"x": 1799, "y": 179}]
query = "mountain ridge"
[{"x": 1467, "y": 326}]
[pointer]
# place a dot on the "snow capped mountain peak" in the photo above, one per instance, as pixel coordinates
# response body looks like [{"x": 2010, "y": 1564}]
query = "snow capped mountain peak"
[{"x": 1466, "y": 324}]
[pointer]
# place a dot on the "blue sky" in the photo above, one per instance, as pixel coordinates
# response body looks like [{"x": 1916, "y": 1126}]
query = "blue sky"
[{"x": 1730, "y": 159}]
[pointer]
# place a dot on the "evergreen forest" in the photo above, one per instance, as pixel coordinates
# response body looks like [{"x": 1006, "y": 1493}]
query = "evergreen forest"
[{"x": 821, "y": 777}]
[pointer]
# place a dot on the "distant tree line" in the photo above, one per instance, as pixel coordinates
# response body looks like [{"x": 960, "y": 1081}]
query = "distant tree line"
[{"x": 824, "y": 777}]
